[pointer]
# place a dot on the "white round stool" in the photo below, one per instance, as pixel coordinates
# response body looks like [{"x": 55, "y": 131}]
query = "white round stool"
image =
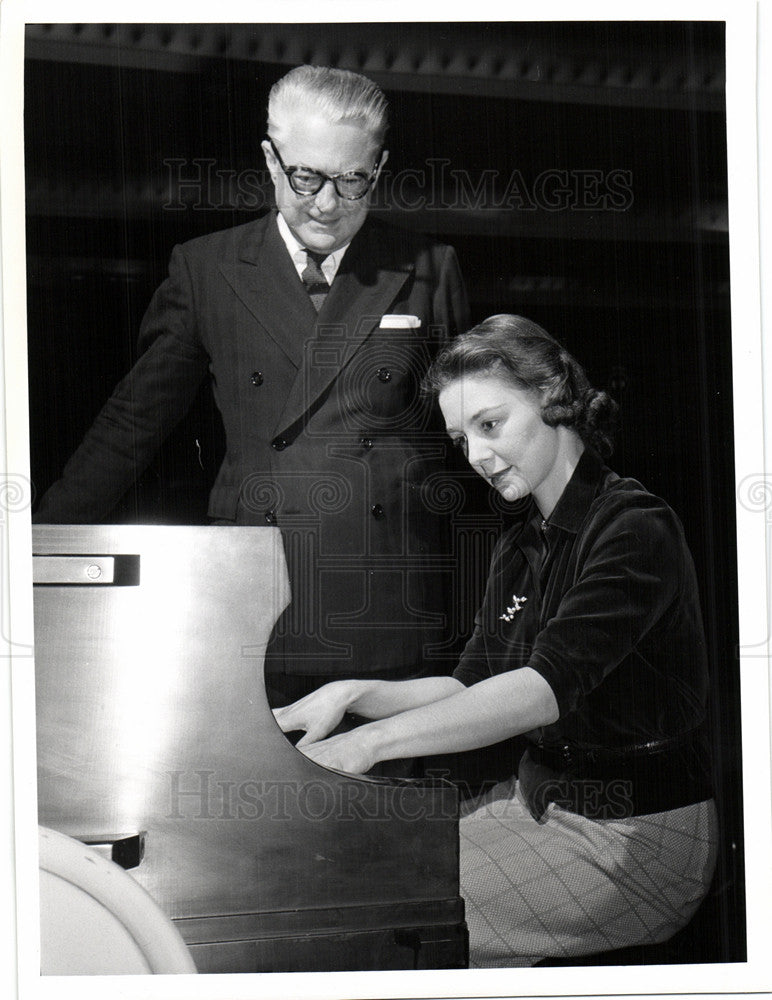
[{"x": 96, "y": 920}]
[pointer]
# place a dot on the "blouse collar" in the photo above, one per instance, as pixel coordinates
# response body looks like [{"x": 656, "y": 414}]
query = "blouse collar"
[{"x": 581, "y": 489}]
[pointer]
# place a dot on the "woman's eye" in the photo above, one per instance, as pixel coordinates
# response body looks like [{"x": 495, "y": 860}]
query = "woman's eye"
[
  {"x": 488, "y": 425},
  {"x": 460, "y": 443}
]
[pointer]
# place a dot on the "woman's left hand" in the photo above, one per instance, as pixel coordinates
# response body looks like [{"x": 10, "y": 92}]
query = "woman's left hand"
[{"x": 352, "y": 752}]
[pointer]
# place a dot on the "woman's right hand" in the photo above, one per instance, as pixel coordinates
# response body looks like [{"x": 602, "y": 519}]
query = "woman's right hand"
[{"x": 317, "y": 714}]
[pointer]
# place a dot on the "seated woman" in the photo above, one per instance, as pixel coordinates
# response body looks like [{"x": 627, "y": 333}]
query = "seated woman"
[{"x": 590, "y": 643}]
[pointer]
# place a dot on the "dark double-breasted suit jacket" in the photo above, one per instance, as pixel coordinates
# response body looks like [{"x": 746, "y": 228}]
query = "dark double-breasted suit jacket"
[{"x": 327, "y": 434}]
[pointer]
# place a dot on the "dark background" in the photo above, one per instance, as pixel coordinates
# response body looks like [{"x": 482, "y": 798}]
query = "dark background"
[{"x": 637, "y": 288}]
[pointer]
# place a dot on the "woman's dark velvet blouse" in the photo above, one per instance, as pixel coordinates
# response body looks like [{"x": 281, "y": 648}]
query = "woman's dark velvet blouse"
[{"x": 608, "y": 614}]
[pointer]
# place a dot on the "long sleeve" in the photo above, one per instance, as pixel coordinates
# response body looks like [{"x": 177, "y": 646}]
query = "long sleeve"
[{"x": 143, "y": 409}]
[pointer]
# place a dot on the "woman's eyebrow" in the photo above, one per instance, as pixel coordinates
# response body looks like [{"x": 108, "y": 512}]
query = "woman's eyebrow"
[
  {"x": 475, "y": 416},
  {"x": 484, "y": 410}
]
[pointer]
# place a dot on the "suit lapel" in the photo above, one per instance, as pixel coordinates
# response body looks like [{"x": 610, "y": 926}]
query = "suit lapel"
[
  {"x": 367, "y": 283},
  {"x": 263, "y": 276}
]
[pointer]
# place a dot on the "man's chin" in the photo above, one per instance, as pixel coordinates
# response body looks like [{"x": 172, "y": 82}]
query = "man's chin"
[
  {"x": 322, "y": 245},
  {"x": 325, "y": 239}
]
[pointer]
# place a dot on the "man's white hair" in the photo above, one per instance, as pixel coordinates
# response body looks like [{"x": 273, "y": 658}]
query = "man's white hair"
[{"x": 338, "y": 94}]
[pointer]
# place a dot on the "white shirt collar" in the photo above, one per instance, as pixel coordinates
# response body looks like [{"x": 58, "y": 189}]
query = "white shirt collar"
[{"x": 298, "y": 252}]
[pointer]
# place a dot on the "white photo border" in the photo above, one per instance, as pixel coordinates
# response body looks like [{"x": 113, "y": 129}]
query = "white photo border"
[{"x": 752, "y": 384}]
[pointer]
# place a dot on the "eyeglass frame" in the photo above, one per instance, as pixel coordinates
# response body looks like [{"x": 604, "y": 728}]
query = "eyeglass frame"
[{"x": 288, "y": 172}]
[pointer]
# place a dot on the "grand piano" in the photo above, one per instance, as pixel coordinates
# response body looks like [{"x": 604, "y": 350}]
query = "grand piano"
[{"x": 157, "y": 746}]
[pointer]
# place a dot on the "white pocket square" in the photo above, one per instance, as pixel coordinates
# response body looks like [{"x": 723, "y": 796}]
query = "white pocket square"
[{"x": 394, "y": 321}]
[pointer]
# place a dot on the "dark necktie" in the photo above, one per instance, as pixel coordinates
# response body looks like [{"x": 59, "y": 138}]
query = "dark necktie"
[{"x": 313, "y": 278}]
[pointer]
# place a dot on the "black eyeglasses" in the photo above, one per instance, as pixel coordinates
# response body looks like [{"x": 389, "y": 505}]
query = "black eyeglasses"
[{"x": 352, "y": 186}]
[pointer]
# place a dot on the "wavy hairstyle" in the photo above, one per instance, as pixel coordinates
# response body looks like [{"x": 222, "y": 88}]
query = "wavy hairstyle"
[
  {"x": 338, "y": 94},
  {"x": 516, "y": 349}
]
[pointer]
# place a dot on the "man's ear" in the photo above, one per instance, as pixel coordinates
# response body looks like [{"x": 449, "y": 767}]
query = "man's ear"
[
  {"x": 270, "y": 159},
  {"x": 384, "y": 158}
]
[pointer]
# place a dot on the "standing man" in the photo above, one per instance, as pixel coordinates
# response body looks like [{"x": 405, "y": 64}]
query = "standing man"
[{"x": 315, "y": 324}]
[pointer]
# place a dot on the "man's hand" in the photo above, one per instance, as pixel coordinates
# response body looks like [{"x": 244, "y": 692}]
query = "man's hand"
[{"x": 317, "y": 714}]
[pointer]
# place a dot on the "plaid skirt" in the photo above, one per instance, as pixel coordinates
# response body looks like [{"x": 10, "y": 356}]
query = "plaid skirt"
[{"x": 567, "y": 885}]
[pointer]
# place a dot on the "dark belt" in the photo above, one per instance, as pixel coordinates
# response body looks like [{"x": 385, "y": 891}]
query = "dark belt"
[{"x": 617, "y": 782}]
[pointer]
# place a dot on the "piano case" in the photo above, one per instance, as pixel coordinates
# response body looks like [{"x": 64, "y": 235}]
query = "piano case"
[{"x": 156, "y": 744}]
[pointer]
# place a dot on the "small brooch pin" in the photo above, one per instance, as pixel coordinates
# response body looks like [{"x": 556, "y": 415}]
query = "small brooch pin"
[{"x": 517, "y": 605}]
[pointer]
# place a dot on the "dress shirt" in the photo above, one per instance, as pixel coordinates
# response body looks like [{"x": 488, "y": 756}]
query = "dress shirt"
[{"x": 297, "y": 252}]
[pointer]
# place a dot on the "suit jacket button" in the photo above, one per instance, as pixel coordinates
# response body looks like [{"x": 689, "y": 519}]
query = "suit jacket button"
[
  {"x": 270, "y": 516},
  {"x": 279, "y": 444},
  {"x": 384, "y": 375},
  {"x": 257, "y": 378},
  {"x": 366, "y": 442},
  {"x": 378, "y": 512}
]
